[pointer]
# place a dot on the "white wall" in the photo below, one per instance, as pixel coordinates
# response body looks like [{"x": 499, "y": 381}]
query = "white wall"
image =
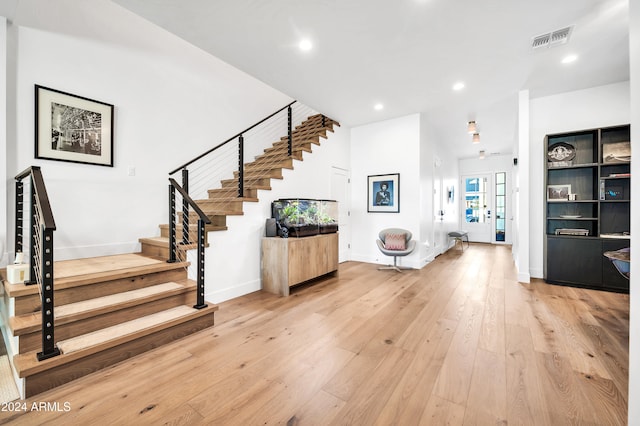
[
  {"x": 584, "y": 109},
  {"x": 391, "y": 146},
  {"x": 439, "y": 171},
  {"x": 233, "y": 256},
  {"x": 634, "y": 322},
  {"x": 521, "y": 190},
  {"x": 3, "y": 139},
  {"x": 171, "y": 102}
]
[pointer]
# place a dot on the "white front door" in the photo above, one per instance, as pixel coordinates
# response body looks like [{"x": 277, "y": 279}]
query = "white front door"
[{"x": 477, "y": 218}]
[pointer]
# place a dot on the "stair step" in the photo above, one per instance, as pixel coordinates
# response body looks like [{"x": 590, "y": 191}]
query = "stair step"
[
  {"x": 64, "y": 314},
  {"x": 97, "y": 350},
  {"x": 123, "y": 330},
  {"x": 230, "y": 206},
  {"x": 81, "y": 279},
  {"x": 265, "y": 163},
  {"x": 278, "y": 155},
  {"x": 250, "y": 190},
  {"x": 258, "y": 183},
  {"x": 228, "y": 194}
]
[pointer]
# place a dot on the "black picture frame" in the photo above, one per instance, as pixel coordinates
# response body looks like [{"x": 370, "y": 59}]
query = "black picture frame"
[
  {"x": 72, "y": 128},
  {"x": 383, "y": 193}
]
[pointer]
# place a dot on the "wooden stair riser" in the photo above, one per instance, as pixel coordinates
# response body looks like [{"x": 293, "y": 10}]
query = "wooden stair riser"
[
  {"x": 232, "y": 205},
  {"x": 193, "y": 232},
  {"x": 258, "y": 182},
  {"x": 308, "y": 136},
  {"x": 264, "y": 163},
  {"x": 63, "y": 372},
  {"x": 275, "y": 156},
  {"x": 271, "y": 173},
  {"x": 31, "y": 303},
  {"x": 250, "y": 192},
  {"x": 33, "y": 340},
  {"x": 281, "y": 148},
  {"x": 163, "y": 251}
]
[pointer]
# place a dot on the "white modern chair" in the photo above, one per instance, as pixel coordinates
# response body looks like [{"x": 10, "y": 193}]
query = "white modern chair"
[{"x": 395, "y": 242}]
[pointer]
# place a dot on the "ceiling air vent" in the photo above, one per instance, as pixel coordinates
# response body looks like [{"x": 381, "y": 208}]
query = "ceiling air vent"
[
  {"x": 552, "y": 39},
  {"x": 541, "y": 41}
]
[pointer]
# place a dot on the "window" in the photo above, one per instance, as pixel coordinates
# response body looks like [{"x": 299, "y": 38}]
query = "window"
[{"x": 501, "y": 205}]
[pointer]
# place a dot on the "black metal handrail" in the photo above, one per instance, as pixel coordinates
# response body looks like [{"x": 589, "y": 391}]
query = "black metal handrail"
[
  {"x": 187, "y": 202},
  {"x": 204, "y": 154},
  {"x": 41, "y": 228}
]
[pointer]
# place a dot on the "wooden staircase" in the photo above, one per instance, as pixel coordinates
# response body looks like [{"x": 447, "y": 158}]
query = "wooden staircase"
[
  {"x": 224, "y": 201},
  {"x": 111, "y": 308},
  {"x": 108, "y": 309}
]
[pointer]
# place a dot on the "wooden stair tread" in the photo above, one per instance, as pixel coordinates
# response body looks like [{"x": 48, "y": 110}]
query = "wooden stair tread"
[
  {"x": 118, "y": 331},
  {"x": 79, "y": 347},
  {"x": 79, "y": 272},
  {"x": 164, "y": 242},
  {"x": 79, "y": 310}
]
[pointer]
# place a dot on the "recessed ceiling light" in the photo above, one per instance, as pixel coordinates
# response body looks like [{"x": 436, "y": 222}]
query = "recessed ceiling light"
[
  {"x": 305, "y": 45},
  {"x": 570, "y": 58},
  {"x": 378, "y": 107},
  {"x": 458, "y": 86}
]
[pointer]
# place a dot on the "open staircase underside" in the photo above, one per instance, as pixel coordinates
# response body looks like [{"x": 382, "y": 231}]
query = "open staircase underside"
[{"x": 111, "y": 308}]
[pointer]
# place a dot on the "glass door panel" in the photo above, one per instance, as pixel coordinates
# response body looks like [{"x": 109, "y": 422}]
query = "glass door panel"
[{"x": 501, "y": 206}]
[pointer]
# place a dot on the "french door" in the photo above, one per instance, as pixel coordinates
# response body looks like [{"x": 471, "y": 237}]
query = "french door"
[{"x": 476, "y": 207}]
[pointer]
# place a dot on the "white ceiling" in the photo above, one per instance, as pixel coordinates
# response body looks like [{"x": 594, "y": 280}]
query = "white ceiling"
[{"x": 407, "y": 54}]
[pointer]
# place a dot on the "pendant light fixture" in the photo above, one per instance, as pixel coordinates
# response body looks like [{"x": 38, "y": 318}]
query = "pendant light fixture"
[
  {"x": 471, "y": 127},
  {"x": 476, "y": 138}
]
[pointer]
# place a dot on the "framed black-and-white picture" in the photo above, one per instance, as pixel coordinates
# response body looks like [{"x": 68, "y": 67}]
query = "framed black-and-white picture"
[
  {"x": 73, "y": 128},
  {"x": 558, "y": 192},
  {"x": 383, "y": 193}
]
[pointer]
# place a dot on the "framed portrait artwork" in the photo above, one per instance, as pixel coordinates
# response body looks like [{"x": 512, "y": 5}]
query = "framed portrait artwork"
[
  {"x": 383, "y": 193},
  {"x": 72, "y": 128}
]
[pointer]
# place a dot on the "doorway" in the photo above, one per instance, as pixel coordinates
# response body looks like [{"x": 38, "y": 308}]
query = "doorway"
[
  {"x": 476, "y": 207},
  {"x": 340, "y": 192}
]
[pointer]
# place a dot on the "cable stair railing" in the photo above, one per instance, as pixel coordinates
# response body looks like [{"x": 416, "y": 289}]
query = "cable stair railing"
[
  {"x": 221, "y": 179},
  {"x": 40, "y": 225}
]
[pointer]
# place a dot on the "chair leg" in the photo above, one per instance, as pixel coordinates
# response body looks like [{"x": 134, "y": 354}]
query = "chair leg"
[{"x": 395, "y": 266}]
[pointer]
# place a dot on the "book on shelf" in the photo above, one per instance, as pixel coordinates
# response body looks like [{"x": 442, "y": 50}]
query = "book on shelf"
[
  {"x": 572, "y": 231},
  {"x": 617, "y": 175}
]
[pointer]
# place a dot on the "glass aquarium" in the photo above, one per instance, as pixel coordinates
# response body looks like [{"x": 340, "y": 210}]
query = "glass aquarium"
[
  {"x": 328, "y": 216},
  {"x": 301, "y": 217}
]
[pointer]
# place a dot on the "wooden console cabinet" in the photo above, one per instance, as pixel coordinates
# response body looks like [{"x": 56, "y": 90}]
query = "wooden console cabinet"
[{"x": 290, "y": 261}]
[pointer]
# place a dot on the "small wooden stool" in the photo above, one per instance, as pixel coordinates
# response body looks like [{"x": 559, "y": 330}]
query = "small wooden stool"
[{"x": 460, "y": 236}]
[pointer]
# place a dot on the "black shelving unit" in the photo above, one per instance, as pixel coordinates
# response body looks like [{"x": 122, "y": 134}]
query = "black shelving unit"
[{"x": 587, "y": 181}]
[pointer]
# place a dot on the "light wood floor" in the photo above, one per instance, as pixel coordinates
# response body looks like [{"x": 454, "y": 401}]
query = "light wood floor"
[{"x": 459, "y": 342}]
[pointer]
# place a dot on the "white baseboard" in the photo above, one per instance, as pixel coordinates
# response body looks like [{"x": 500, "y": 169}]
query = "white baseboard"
[
  {"x": 524, "y": 278},
  {"x": 536, "y": 273},
  {"x": 221, "y": 295}
]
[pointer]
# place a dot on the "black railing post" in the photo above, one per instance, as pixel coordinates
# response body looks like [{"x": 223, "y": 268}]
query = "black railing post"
[
  {"x": 172, "y": 224},
  {"x": 289, "y": 132},
  {"x": 185, "y": 208},
  {"x": 49, "y": 348},
  {"x": 19, "y": 231},
  {"x": 33, "y": 258},
  {"x": 241, "y": 166},
  {"x": 200, "y": 295}
]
